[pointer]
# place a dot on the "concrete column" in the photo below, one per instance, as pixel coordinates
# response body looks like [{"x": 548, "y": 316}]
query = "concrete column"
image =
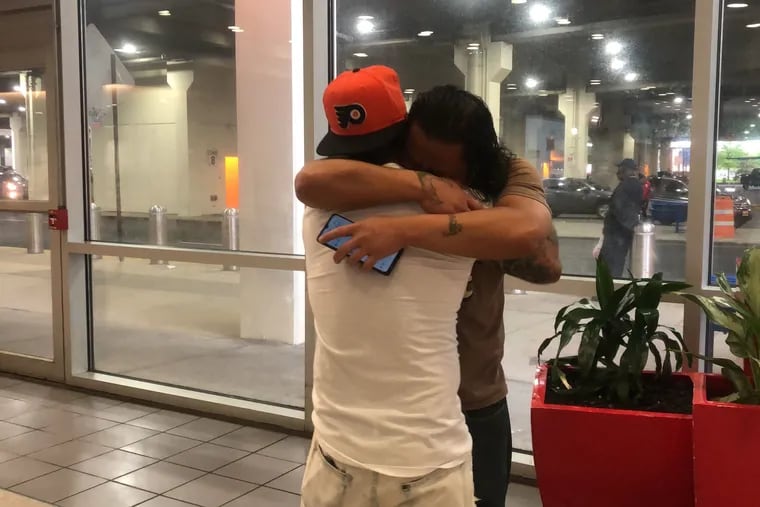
[
  {"x": 270, "y": 144},
  {"x": 179, "y": 81},
  {"x": 576, "y": 105},
  {"x": 666, "y": 155},
  {"x": 485, "y": 68},
  {"x": 610, "y": 144},
  {"x": 20, "y": 144}
]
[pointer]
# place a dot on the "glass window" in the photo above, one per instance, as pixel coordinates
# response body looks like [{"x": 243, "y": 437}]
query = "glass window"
[
  {"x": 184, "y": 325},
  {"x": 574, "y": 89},
  {"x": 172, "y": 89},
  {"x": 737, "y": 174}
]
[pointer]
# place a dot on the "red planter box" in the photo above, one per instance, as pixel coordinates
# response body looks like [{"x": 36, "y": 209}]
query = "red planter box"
[
  {"x": 726, "y": 447},
  {"x": 589, "y": 457}
]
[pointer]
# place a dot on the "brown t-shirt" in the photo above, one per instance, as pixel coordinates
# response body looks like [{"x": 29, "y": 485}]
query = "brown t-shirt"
[{"x": 480, "y": 328}]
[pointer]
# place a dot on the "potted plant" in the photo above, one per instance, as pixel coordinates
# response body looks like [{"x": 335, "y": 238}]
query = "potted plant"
[
  {"x": 727, "y": 407},
  {"x": 605, "y": 432}
]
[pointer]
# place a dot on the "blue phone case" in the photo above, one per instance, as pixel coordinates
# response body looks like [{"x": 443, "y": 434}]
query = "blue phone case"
[{"x": 383, "y": 266}]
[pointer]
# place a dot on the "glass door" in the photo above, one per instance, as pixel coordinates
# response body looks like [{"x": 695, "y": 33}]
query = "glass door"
[{"x": 31, "y": 326}]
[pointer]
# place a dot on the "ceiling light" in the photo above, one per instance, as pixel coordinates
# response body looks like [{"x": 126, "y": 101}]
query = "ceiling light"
[
  {"x": 617, "y": 64},
  {"x": 754, "y": 25},
  {"x": 595, "y": 82},
  {"x": 689, "y": 117},
  {"x": 519, "y": 1},
  {"x": 364, "y": 25},
  {"x": 511, "y": 87},
  {"x": 425, "y": 33},
  {"x": 21, "y": 109},
  {"x": 631, "y": 76},
  {"x": 613, "y": 48},
  {"x": 752, "y": 126},
  {"x": 590, "y": 145},
  {"x": 543, "y": 93},
  {"x": 563, "y": 21},
  {"x": 746, "y": 132},
  {"x": 574, "y": 131},
  {"x": 597, "y": 36},
  {"x": 539, "y": 13},
  {"x": 531, "y": 83},
  {"x": 3, "y": 101},
  {"x": 678, "y": 100},
  {"x": 16, "y": 88},
  {"x": 165, "y": 12},
  {"x": 737, "y": 5},
  {"x": 128, "y": 48},
  {"x": 235, "y": 29},
  {"x": 473, "y": 45},
  {"x": 361, "y": 55},
  {"x": 409, "y": 91}
]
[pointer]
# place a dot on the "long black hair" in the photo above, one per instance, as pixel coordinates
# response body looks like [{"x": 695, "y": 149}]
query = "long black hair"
[{"x": 451, "y": 115}]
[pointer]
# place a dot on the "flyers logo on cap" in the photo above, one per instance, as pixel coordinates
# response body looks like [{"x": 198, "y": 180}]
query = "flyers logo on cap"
[{"x": 352, "y": 114}]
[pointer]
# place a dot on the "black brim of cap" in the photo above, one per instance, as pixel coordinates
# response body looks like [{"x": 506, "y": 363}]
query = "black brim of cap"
[{"x": 333, "y": 145}]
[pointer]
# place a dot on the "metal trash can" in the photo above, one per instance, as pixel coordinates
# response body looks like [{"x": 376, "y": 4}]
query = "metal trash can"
[
  {"x": 158, "y": 230},
  {"x": 230, "y": 233},
  {"x": 643, "y": 250},
  {"x": 36, "y": 223}
]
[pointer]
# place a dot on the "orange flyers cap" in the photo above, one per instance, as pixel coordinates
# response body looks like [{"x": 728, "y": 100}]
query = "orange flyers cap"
[{"x": 365, "y": 110}]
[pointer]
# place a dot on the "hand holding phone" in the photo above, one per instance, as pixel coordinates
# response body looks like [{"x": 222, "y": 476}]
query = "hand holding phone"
[{"x": 383, "y": 266}]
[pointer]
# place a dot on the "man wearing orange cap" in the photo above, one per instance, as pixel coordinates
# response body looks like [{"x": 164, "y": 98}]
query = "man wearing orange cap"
[
  {"x": 451, "y": 133},
  {"x": 388, "y": 426}
]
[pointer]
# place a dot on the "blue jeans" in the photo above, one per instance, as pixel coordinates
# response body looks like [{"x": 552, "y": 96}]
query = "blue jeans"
[
  {"x": 615, "y": 250},
  {"x": 491, "y": 453}
]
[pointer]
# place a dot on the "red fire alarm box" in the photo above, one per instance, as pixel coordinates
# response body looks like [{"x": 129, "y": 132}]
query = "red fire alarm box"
[{"x": 58, "y": 219}]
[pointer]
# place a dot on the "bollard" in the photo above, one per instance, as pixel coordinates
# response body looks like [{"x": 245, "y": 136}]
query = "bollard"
[
  {"x": 35, "y": 241},
  {"x": 642, "y": 252},
  {"x": 158, "y": 231},
  {"x": 95, "y": 219},
  {"x": 230, "y": 236}
]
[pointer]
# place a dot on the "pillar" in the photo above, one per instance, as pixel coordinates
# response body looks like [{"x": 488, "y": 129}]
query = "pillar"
[
  {"x": 666, "y": 155},
  {"x": 485, "y": 68},
  {"x": 180, "y": 80},
  {"x": 19, "y": 144},
  {"x": 576, "y": 105},
  {"x": 270, "y": 110},
  {"x": 611, "y": 142}
]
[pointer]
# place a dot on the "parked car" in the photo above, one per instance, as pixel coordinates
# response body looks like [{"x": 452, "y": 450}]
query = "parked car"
[
  {"x": 572, "y": 196},
  {"x": 670, "y": 200},
  {"x": 13, "y": 186}
]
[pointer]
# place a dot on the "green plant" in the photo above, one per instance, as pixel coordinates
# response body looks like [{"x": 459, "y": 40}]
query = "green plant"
[
  {"x": 738, "y": 312},
  {"x": 618, "y": 334}
]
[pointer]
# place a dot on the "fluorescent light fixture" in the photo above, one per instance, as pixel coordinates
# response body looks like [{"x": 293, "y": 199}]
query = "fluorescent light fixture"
[
  {"x": 235, "y": 29},
  {"x": 737, "y": 5},
  {"x": 473, "y": 45},
  {"x": 409, "y": 91},
  {"x": 365, "y": 25},
  {"x": 531, "y": 83},
  {"x": 678, "y": 100},
  {"x": 753, "y": 25},
  {"x": 595, "y": 82},
  {"x": 22, "y": 109},
  {"x": 631, "y": 76},
  {"x": 539, "y": 13},
  {"x": 613, "y": 48},
  {"x": 128, "y": 49},
  {"x": 425, "y": 33},
  {"x": 597, "y": 36},
  {"x": 165, "y": 12},
  {"x": 563, "y": 21},
  {"x": 361, "y": 55},
  {"x": 617, "y": 64},
  {"x": 511, "y": 86}
]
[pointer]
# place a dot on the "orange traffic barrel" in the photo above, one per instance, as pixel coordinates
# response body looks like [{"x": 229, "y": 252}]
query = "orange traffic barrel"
[{"x": 723, "y": 220}]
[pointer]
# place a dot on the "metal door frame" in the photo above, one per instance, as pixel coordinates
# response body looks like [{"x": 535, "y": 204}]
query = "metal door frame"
[{"x": 45, "y": 58}]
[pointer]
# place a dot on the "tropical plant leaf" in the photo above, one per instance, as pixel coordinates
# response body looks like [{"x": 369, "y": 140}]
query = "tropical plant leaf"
[
  {"x": 748, "y": 279},
  {"x": 657, "y": 357},
  {"x": 588, "y": 349},
  {"x": 605, "y": 286},
  {"x": 725, "y": 287},
  {"x": 545, "y": 344},
  {"x": 717, "y": 312},
  {"x": 738, "y": 345}
]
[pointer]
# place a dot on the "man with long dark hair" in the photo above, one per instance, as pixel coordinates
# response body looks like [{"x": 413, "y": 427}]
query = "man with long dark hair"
[{"x": 452, "y": 141}]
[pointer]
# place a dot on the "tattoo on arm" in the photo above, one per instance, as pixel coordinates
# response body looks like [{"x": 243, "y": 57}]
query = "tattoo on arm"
[
  {"x": 454, "y": 227},
  {"x": 428, "y": 187},
  {"x": 541, "y": 268}
]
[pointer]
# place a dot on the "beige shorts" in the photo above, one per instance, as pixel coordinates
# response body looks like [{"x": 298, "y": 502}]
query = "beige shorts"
[{"x": 327, "y": 483}]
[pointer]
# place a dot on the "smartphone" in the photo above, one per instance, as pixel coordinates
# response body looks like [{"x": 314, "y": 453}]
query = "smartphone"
[{"x": 384, "y": 266}]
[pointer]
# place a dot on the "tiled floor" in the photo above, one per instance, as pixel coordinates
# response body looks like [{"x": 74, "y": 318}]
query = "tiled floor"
[{"x": 75, "y": 450}]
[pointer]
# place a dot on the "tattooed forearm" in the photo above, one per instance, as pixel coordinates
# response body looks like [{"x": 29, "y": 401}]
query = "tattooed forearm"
[
  {"x": 454, "y": 226},
  {"x": 426, "y": 182},
  {"x": 542, "y": 268}
]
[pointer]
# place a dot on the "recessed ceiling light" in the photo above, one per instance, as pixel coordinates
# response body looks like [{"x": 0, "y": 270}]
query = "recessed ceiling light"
[
  {"x": 539, "y": 13},
  {"x": 473, "y": 45},
  {"x": 3, "y": 101},
  {"x": 613, "y": 48},
  {"x": 361, "y": 55},
  {"x": 165, "y": 12},
  {"x": 16, "y": 88},
  {"x": 595, "y": 82},
  {"x": 235, "y": 28},
  {"x": 425, "y": 33},
  {"x": 364, "y": 25},
  {"x": 737, "y": 5},
  {"x": 754, "y": 25},
  {"x": 365, "y": 18},
  {"x": 21, "y": 109},
  {"x": 617, "y": 64},
  {"x": 531, "y": 83},
  {"x": 563, "y": 21},
  {"x": 409, "y": 91},
  {"x": 128, "y": 48},
  {"x": 678, "y": 100},
  {"x": 689, "y": 117},
  {"x": 746, "y": 132},
  {"x": 597, "y": 36},
  {"x": 631, "y": 76},
  {"x": 752, "y": 125}
]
